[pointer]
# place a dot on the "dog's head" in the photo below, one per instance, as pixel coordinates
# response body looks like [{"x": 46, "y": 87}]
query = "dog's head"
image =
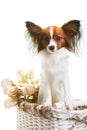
[{"x": 53, "y": 38}]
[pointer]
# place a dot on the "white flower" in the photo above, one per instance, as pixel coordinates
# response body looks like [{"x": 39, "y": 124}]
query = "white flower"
[
  {"x": 9, "y": 103},
  {"x": 7, "y": 86}
]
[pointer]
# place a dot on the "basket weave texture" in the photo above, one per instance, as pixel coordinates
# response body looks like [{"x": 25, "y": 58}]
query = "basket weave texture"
[
  {"x": 49, "y": 119},
  {"x": 27, "y": 121}
]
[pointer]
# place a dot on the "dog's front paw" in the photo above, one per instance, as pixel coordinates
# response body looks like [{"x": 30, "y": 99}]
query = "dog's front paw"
[
  {"x": 60, "y": 106},
  {"x": 69, "y": 104},
  {"x": 44, "y": 105}
]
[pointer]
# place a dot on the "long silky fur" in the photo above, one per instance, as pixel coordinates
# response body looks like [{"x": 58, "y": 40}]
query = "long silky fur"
[{"x": 32, "y": 48}]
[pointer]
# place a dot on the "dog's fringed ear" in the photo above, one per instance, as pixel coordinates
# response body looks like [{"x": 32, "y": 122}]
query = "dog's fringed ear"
[
  {"x": 72, "y": 34},
  {"x": 33, "y": 32},
  {"x": 33, "y": 29}
]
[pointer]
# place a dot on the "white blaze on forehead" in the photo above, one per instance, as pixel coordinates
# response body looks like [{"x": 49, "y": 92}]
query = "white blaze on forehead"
[
  {"x": 52, "y": 43},
  {"x": 51, "y": 32}
]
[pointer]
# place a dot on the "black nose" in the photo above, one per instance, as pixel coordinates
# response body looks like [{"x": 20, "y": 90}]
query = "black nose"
[{"x": 51, "y": 48}]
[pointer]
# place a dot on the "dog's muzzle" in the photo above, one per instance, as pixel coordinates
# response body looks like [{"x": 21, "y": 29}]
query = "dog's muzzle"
[{"x": 51, "y": 48}]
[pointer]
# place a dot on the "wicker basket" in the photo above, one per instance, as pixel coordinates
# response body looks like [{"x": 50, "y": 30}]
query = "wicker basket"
[
  {"x": 49, "y": 119},
  {"x": 32, "y": 117},
  {"x": 27, "y": 121}
]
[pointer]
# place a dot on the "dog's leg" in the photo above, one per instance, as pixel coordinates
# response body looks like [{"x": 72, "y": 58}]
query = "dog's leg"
[
  {"x": 67, "y": 96},
  {"x": 58, "y": 95},
  {"x": 44, "y": 96},
  {"x": 61, "y": 95}
]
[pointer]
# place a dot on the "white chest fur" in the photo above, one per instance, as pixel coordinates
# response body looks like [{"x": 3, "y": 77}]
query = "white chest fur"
[
  {"x": 54, "y": 77},
  {"x": 55, "y": 63}
]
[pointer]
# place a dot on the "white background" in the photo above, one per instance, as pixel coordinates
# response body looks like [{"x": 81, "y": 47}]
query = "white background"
[{"x": 13, "y": 50}]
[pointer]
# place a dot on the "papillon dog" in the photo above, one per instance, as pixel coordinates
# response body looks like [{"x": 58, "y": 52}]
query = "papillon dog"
[{"x": 54, "y": 45}]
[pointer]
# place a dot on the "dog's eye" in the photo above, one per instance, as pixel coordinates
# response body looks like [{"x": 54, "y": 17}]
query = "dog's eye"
[
  {"x": 57, "y": 38},
  {"x": 46, "y": 39}
]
